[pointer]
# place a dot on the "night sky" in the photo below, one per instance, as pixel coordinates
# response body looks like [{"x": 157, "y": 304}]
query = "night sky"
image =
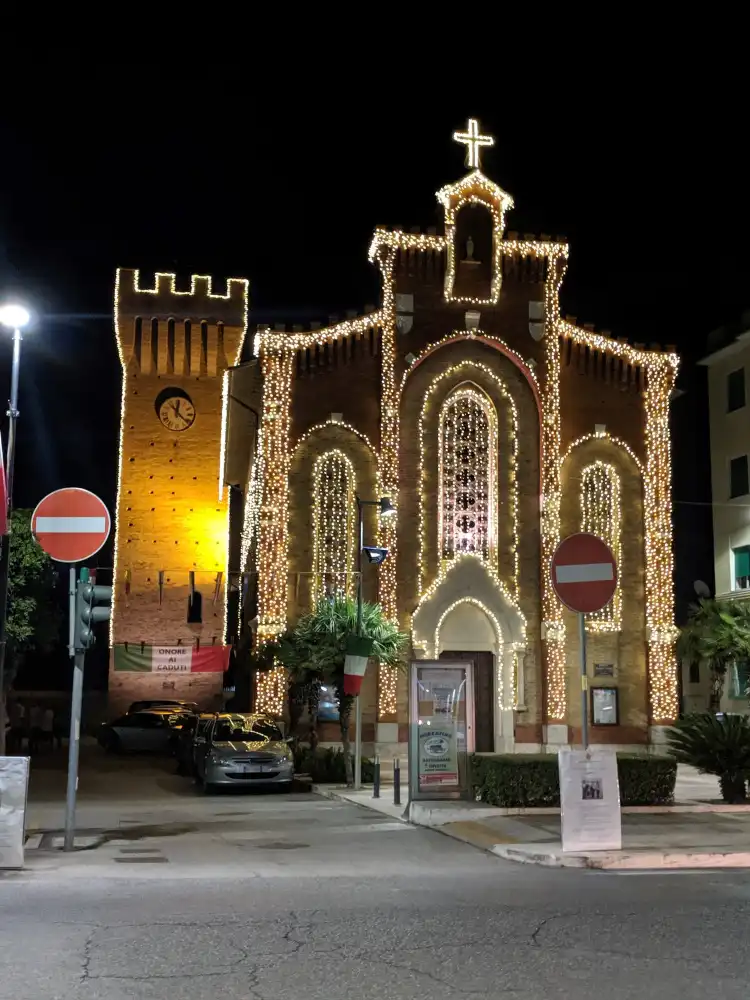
[{"x": 232, "y": 174}]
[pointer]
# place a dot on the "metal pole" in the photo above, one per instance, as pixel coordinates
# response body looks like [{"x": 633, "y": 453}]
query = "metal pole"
[
  {"x": 396, "y": 782},
  {"x": 358, "y": 707},
  {"x": 71, "y": 611},
  {"x": 75, "y": 739},
  {"x": 584, "y": 684},
  {"x": 5, "y": 545},
  {"x": 376, "y": 778},
  {"x": 358, "y": 746}
]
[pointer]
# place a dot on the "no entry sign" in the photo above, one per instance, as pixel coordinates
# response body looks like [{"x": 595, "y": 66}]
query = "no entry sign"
[
  {"x": 71, "y": 524},
  {"x": 584, "y": 573}
]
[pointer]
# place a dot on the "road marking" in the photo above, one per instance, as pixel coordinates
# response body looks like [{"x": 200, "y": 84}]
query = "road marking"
[
  {"x": 70, "y": 525},
  {"x": 584, "y": 572}
]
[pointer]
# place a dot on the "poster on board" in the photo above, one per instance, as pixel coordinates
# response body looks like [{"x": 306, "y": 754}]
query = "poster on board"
[
  {"x": 589, "y": 800},
  {"x": 14, "y": 783}
]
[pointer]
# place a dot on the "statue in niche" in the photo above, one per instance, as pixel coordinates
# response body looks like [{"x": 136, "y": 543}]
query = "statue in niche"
[{"x": 469, "y": 249}]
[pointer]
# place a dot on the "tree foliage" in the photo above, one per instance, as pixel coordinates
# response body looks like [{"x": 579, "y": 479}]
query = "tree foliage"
[
  {"x": 34, "y": 616},
  {"x": 717, "y": 635},
  {"x": 315, "y": 649}
]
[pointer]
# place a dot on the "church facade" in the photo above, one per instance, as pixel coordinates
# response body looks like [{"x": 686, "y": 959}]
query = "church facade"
[{"x": 495, "y": 426}]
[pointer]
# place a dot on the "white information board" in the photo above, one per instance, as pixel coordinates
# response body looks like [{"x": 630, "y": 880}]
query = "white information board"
[
  {"x": 14, "y": 784},
  {"x": 589, "y": 800}
]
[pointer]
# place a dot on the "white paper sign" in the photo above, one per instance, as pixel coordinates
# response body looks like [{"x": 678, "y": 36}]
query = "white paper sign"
[
  {"x": 589, "y": 800},
  {"x": 14, "y": 782}
]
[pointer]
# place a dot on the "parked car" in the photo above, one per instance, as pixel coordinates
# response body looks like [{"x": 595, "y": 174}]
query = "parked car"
[
  {"x": 184, "y": 744},
  {"x": 176, "y": 704},
  {"x": 153, "y": 730},
  {"x": 242, "y": 750}
]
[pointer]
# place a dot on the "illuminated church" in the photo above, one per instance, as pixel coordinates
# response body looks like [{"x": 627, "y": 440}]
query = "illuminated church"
[{"x": 493, "y": 424}]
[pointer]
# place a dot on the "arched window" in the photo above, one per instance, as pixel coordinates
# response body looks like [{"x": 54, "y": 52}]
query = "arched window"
[
  {"x": 334, "y": 524},
  {"x": 467, "y": 475},
  {"x": 601, "y": 516}
]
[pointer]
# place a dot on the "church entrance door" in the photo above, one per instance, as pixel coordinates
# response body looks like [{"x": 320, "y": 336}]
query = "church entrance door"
[{"x": 484, "y": 687}]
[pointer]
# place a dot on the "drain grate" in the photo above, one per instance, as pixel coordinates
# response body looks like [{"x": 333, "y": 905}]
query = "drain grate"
[
  {"x": 140, "y": 860},
  {"x": 136, "y": 850}
]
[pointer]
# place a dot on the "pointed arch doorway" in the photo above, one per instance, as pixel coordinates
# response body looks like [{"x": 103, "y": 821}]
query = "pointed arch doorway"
[{"x": 469, "y": 616}]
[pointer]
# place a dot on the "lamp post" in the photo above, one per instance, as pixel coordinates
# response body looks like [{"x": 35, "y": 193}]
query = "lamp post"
[
  {"x": 375, "y": 555},
  {"x": 15, "y": 318}
]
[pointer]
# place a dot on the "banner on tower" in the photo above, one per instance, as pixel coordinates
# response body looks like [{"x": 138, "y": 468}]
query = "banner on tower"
[{"x": 171, "y": 659}]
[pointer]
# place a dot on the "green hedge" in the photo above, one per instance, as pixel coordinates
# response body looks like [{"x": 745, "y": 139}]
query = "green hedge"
[
  {"x": 327, "y": 765},
  {"x": 518, "y": 780}
]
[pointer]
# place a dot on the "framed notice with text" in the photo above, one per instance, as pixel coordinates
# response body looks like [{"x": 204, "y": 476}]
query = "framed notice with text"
[{"x": 604, "y": 706}]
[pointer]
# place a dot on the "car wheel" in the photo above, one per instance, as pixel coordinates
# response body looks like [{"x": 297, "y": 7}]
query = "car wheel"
[
  {"x": 112, "y": 743},
  {"x": 208, "y": 789}
]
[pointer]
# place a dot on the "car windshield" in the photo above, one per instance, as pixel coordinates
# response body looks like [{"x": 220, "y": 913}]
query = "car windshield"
[{"x": 245, "y": 731}]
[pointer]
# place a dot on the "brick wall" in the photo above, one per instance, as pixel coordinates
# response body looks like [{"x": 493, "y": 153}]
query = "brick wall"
[{"x": 169, "y": 515}]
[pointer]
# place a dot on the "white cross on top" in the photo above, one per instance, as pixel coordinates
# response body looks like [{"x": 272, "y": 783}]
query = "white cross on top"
[{"x": 473, "y": 141}]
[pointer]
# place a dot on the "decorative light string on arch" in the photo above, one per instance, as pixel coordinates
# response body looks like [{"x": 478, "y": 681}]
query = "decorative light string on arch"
[
  {"x": 512, "y": 470},
  {"x": 333, "y": 492},
  {"x": 601, "y": 515}
]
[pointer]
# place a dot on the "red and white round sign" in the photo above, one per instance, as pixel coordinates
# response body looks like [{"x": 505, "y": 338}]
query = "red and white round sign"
[
  {"x": 71, "y": 524},
  {"x": 584, "y": 573}
]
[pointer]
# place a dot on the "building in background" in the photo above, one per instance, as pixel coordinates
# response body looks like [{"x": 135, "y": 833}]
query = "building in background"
[
  {"x": 495, "y": 425},
  {"x": 728, "y": 369}
]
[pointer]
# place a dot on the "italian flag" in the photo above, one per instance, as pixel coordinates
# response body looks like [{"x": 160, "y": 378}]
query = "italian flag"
[
  {"x": 171, "y": 659},
  {"x": 358, "y": 651}
]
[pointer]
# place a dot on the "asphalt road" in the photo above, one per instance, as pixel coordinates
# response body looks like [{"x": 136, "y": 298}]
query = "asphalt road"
[{"x": 299, "y": 898}]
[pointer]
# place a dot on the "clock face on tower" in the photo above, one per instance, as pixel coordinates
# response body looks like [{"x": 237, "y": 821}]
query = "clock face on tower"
[{"x": 175, "y": 409}]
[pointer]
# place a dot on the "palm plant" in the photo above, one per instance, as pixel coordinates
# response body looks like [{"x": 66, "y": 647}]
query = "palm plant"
[
  {"x": 313, "y": 652},
  {"x": 714, "y": 745},
  {"x": 323, "y": 634},
  {"x": 717, "y": 635}
]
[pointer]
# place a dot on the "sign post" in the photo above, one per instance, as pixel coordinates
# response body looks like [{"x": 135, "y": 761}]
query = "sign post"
[
  {"x": 584, "y": 577},
  {"x": 71, "y": 525}
]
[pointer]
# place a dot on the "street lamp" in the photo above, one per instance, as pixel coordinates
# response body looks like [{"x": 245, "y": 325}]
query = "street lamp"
[
  {"x": 15, "y": 318},
  {"x": 376, "y": 555}
]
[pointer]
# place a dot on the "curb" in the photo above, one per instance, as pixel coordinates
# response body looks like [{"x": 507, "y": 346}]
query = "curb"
[{"x": 622, "y": 860}]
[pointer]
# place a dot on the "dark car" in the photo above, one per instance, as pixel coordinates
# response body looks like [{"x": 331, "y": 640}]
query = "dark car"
[
  {"x": 153, "y": 731},
  {"x": 184, "y": 743},
  {"x": 176, "y": 704}
]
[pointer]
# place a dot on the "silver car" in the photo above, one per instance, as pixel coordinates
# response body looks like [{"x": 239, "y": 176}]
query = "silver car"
[{"x": 243, "y": 750}]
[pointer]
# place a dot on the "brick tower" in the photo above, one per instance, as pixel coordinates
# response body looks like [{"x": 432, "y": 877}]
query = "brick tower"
[{"x": 169, "y": 615}]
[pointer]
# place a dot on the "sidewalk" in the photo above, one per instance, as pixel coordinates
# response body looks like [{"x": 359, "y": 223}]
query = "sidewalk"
[{"x": 699, "y": 831}]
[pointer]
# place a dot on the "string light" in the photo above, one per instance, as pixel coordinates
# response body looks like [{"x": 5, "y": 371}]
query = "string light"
[
  {"x": 660, "y": 378},
  {"x": 512, "y": 438},
  {"x": 273, "y": 537},
  {"x": 601, "y": 515},
  {"x": 553, "y": 626},
  {"x": 127, "y": 286},
  {"x": 388, "y": 478},
  {"x": 602, "y": 436},
  {"x": 273, "y": 341},
  {"x": 473, "y": 142},
  {"x": 450, "y": 566},
  {"x": 340, "y": 425},
  {"x": 467, "y": 475},
  {"x": 333, "y": 491}
]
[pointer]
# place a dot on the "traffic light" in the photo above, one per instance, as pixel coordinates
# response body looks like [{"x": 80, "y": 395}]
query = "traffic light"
[{"x": 93, "y": 604}]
